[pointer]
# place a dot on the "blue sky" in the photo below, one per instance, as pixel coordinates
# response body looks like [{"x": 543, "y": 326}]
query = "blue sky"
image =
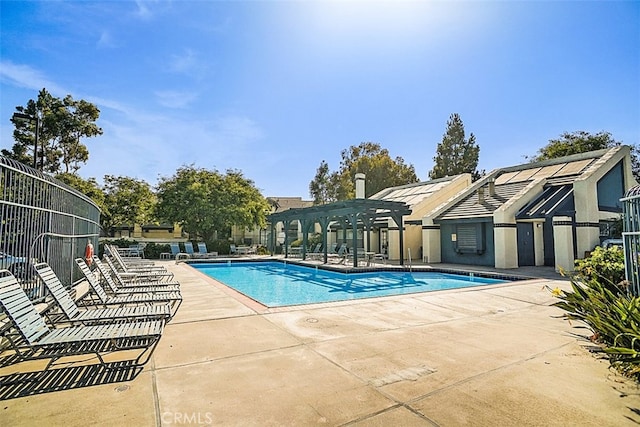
[{"x": 273, "y": 87}]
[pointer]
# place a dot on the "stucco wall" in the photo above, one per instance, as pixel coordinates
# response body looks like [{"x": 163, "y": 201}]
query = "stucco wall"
[{"x": 449, "y": 254}]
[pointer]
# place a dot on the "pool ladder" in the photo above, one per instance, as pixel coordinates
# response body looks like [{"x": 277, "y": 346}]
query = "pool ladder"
[{"x": 410, "y": 265}]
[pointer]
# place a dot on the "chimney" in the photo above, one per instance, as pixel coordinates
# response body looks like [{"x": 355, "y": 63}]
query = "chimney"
[
  {"x": 480, "y": 195},
  {"x": 360, "y": 185},
  {"x": 492, "y": 187}
]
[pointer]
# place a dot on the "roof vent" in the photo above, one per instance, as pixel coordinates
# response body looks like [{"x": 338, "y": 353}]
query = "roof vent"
[{"x": 492, "y": 187}]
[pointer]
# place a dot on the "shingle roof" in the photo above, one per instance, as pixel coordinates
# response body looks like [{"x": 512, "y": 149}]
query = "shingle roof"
[{"x": 471, "y": 207}]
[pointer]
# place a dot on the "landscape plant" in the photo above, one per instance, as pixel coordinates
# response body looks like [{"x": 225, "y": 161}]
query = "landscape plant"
[{"x": 600, "y": 299}]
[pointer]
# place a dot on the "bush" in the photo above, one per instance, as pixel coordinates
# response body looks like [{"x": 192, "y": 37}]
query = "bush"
[
  {"x": 312, "y": 241},
  {"x": 605, "y": 266},
  {"x": 223, "y": 247},
  {"x": 153, "y": 250},
  {"x": 612, "y": 317},
  {"x": 600, "y": 299}
]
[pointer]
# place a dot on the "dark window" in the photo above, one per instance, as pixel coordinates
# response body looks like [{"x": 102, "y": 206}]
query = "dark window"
[{"x": 469, "y": 238}]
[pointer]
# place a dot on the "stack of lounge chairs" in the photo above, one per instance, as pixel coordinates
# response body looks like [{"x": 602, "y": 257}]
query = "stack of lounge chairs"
[{"x": 123, "y": 312}]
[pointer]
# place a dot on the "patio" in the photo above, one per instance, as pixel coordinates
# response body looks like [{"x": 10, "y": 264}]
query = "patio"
[{"x": 495, "y": 355}]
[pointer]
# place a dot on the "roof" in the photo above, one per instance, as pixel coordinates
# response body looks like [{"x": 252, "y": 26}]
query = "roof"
[
  {"x": 510, "y": 181},
  {"x": 412, "y": 194},
  {"x": 552, "y": 199},
  {"x": 471, "y": 206},
  {"x": 285, "y": 203},
  {"x": 364, "y": 208}
]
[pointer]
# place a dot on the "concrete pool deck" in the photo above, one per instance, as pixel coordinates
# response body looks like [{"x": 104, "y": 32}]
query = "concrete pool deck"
[{"x": 488, "y": 356}]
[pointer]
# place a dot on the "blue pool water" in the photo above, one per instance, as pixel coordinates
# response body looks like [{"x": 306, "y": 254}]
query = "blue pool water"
[{"x": 276, "y": 284}]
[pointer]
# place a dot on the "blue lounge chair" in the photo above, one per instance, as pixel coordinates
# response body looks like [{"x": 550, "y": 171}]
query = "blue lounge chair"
[
  {"x": 204, "y": 252},
  {"x": 176, "y": 253}
]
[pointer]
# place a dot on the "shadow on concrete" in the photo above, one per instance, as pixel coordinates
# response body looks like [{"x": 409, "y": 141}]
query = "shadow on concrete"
[{"x": 33, "y": 383}]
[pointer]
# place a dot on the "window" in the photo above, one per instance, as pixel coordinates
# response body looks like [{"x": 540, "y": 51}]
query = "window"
[{"x": 469, "y": 238}]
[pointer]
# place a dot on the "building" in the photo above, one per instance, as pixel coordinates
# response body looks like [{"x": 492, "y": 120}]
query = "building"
[
  {"x": 422, "y": 198},
  {"x": 546, "y": 213},
  {"x": 258, "y": 236}
]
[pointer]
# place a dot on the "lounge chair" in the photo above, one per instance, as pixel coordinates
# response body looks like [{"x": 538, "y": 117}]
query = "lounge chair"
[
  {"x": 188, "y": 246},
  {"x": 173, "y": 299},
  {"x": 176, "y": 253},
  {"x": 315, "y": 252},
  {"x": 340, "y": 256},
  {"x": 204, "y": 252},
  {"x": 131, "y": 287},
  {"x": 113, "y": 250},
  {"x": 136, "y": 251},
  {"x": 125, "y": 268},
  {"x": 69, "y": 309},
  {"x": 137, "y": 276},
  {"x": 31, "y": 338},
  {"x": 233, "y": 250}
]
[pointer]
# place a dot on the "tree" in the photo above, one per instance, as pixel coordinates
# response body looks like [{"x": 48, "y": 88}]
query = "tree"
[
  {"x": 455, "y": 154},
  {"x": 207, "y": 203},
  {"x": 128, "y": 201},
  {"x": 321, "y": 187},
  {"x": 368, "y": 158},
  {"x": 581, "y": 142},
  {"x": 89, "y": 188},
  {"x": 62, "y": 122}
]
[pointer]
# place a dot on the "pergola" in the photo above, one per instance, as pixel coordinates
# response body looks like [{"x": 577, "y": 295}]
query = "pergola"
[{"x": 353, "y": 212}]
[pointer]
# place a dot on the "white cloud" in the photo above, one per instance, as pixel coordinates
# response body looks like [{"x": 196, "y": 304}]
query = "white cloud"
[
  {"x": 105, "y": 40},
  {"x": 187, "y": 63},
  {"x": 175, "y": 99},
  {"x": 146, "y": 146},
  {"x": 26, "y": 77},
  {"x": 143, "y": 9}
]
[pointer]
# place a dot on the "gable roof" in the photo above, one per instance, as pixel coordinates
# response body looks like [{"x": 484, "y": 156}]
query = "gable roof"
[
  {"x": 510, "y": 182},
  {"x": 412, "y": 194}
]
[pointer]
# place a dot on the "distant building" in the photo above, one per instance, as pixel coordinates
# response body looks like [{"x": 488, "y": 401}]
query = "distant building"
[
  {"x": 257, "y": 236},
  {"x": 161, "y": 233}
]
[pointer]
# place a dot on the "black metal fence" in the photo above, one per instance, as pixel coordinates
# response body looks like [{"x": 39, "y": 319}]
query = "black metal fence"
[
  {"x": 631, "y": 237},
  {"x": 42, "y": 219}
]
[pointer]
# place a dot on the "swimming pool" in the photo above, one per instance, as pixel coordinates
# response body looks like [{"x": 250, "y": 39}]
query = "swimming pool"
[{"x": 276, "y": 284}]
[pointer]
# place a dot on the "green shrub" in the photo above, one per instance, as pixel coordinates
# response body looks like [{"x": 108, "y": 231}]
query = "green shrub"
[
  {"x": 223, "y": 247},
  {"x": 312, "y": 241},
  {"x": 604, "y": 265},
  {"x": 600, "y": 299},
  {"x": 613, "y": 317},
  {"x": 153, "y": 250}
]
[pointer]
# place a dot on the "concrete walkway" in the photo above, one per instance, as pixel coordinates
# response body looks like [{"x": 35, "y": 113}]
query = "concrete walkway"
[{"x": 491, "y": 356}]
